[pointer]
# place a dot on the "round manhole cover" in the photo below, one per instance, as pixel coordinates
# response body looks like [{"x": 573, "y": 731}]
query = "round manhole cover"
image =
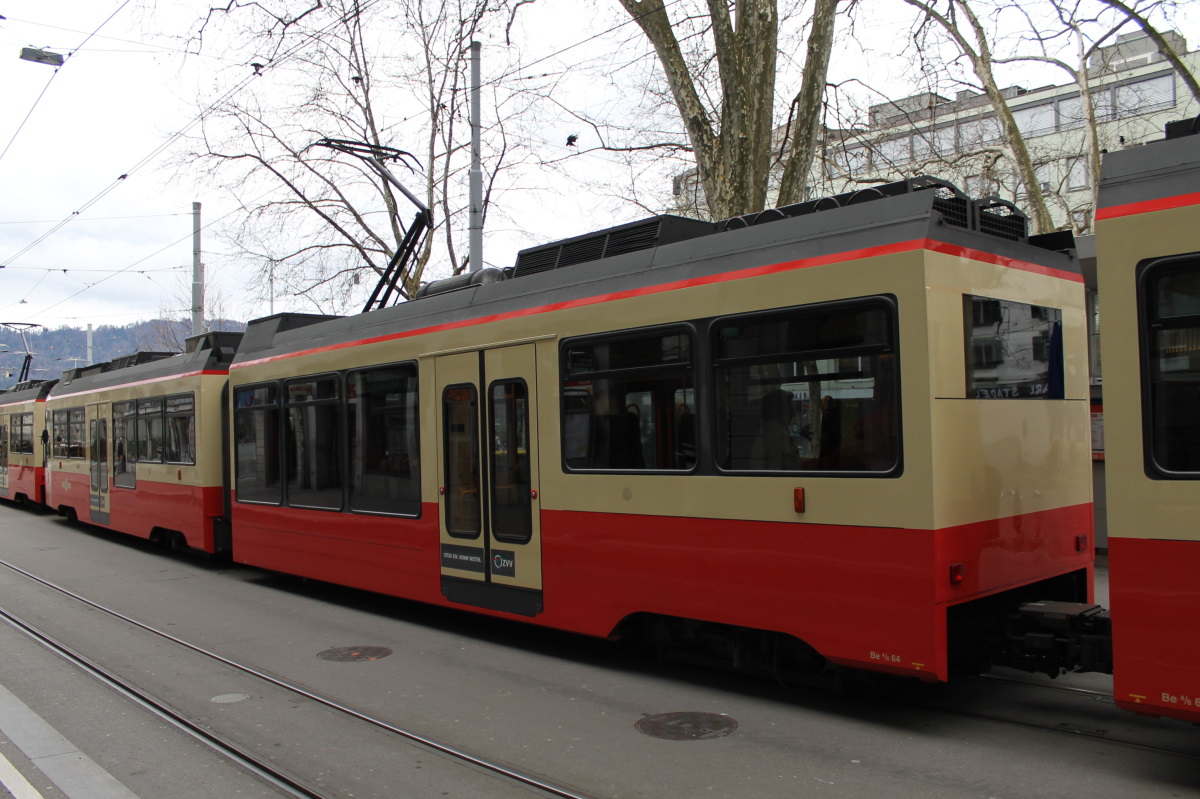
[
  {"x": 350, "y": 654},
  {"x": 229, "y": 699},
  {"x": 686, "y": 726}
]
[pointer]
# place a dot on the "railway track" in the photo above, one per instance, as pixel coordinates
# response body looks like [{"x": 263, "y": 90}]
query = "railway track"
[{"x": 286, "y": 781}]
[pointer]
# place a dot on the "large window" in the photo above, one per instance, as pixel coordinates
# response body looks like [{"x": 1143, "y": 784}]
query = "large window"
[
  {"x": 811, "y": 389},
  {"x": 3, "y": 449},
  {"x": 256, "y": 444},
  {"x": 1014, "y": 350},
  {"x": 1170, "y": 299},
  {"x": 511, "y": 476},
  {"x": 181, "y": 428},
  {"x": 150, "y": 430},
  {"x": 628, "y": 402},
  {"x": 460, "y": 434},
  {"x": 124, "y": 419},
  {"x": 66, "y": 431},
  {"x": 314, "y": 443},
  {"x": 384, "y": 440},
  {"x": 21, "y": 433}
]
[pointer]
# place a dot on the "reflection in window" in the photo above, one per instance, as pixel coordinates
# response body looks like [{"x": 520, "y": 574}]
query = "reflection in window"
[
  {"x": 628, "y": 403},
  {"x": 808, "y": 389},
  {"x": 256, "y": 418},
  {"x": 1014, "y": 350},
  {"x": 150, "y": 430},
  {"x": 512, "y": 505},
  {"x": 181, "y": 429},
  {"x": 66, "y": 433},
  {"x": 1171, "y": 315},
  {"x": 21, "y": 433},
  {"x": 384, "y": 440},
  {"x": 124, "y": 419},
  {"x": 313, "y": 444},
  {"x": 460, "y": 417}
]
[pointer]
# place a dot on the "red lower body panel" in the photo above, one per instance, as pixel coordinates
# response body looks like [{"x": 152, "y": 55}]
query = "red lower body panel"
[
  {"x": 1155, "y": 599},
  {"x": 862, "y": 596},
  {"x": 27, "y": 481}
]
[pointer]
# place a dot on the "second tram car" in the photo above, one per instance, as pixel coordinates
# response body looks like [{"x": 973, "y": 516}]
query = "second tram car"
[
  {"x": 137, "y": 444},
  {"x": 1148, "y": 248},
  {"x": 864, "y": 428},
  {"x": 22, "y": 441}
]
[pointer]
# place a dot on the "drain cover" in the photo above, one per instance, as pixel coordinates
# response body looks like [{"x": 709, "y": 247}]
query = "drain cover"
[
  {"x": 350, "y": 654},
  {"x": 229, "y": 699},
  {"x": 686, "y": 726}
]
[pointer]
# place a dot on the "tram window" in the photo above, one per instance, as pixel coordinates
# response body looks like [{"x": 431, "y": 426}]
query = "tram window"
[
  {"x": 313, "y": 448},
  {"x": 1170, "y": 297},
  {"x": 124, "y": 416},
  {"x": 181, "y": 428},
  {"x": 384, "y": 439},
  {"x": 511, "y": 476},
  {"x": 1014, "y": 350},
  {"x": 150, "y": 430},
  {"x": 808, "y": 389},
  {"x": 461, "y": 438},
  {"x": 256, "y": 418},
  {"x": 627, "y": 402},
  {"x": 3, "y": 449},
  {"x": 21, "y": 433},
  {"x": 66, "y": 431}
]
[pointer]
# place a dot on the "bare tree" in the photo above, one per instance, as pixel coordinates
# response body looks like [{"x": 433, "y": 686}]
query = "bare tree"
[
  {"x": 320, "y": 226},
  {"x": 730, "y": 116}
]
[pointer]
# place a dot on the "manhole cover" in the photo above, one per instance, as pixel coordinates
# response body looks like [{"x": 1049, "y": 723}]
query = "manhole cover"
[
  {"x": 229, "y": 699},
  {"x": 686, "y": 726},
  {"x": 350, "y": 654}
]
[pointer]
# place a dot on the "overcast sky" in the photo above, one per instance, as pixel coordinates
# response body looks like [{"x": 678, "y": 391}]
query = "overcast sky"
[{"x": 80, "y": 244}]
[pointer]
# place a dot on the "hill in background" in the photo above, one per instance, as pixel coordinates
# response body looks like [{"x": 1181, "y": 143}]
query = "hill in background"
[{"x": 55, "y": 351}]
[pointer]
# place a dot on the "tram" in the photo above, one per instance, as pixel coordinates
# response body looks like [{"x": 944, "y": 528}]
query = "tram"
[
  {"x": 1148, "y": 270},
  {"x": 22, "y": 441},
  {"x": 137, "y": 444}
]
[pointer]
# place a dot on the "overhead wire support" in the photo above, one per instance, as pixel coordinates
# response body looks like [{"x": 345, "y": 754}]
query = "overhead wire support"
[{"x": 374, "y": 156}]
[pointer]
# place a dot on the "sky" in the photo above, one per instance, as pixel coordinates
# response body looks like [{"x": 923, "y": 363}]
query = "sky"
[{"x": 95, "y": 223}]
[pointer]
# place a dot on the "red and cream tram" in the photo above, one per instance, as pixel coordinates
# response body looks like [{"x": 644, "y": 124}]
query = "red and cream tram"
[
  {"x": 136, "y": 444},
  {"x": 1148, "y": 266},
  {"x": 861, "y": 422},
  {"x": 22, "y": 441}
]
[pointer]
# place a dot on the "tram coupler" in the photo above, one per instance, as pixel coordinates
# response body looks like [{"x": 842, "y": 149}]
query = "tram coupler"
[{"x": 1056, "y": 637}]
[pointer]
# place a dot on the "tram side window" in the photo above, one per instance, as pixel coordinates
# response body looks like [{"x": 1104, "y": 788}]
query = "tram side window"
[
  {"x": 810, "y": 389},
  {"x": 3, "y": 449},
  {"x": 314, "y": 443},
  {"x": 66, "y": 431},
  {"x": 257, "y": 452},
  {"x": 1170, "y": 297},
  {"x": 628, "y": 402},
  {"x": 181, "y": 428},
  {"x": 21, "y": 434},
  {"x": 1014, "y": 350},
  {"x": 383, "y": 429},
  {"x": 124, "y": 423}
]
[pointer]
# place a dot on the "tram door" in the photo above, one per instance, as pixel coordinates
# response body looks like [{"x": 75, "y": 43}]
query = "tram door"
[
  {"x": 491, "y": 552},
  {"x": 98, "y": 463}
]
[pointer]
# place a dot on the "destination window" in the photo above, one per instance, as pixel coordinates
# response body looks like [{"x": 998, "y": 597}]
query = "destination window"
[{"x": 1014, "y": 350}]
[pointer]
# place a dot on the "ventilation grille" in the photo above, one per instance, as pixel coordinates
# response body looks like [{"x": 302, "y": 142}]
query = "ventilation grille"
[
  {"x": 1000, "y": 218},
  {"x": 608, "y": 243}
]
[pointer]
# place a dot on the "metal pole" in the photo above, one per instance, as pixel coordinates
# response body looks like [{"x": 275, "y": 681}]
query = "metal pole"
[
  {"x": 475, "y": 243},
  {"x": 90, "y": 350},
  {"x": 197, "y": 275}
]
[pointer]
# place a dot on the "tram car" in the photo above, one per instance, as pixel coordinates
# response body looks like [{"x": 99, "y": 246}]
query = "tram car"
[
  {"x": 22, "y": 444},
  {"x": 861, "y": 423},
  {"x": 1148, "y": 270},
  {"x": 136, "y": 444}
]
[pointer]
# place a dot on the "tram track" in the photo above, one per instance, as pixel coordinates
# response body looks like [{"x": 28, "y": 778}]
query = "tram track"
[{"x": 287, "y": 784}]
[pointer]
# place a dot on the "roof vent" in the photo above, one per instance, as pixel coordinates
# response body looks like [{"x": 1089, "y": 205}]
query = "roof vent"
[{"x": 620, "y": 240}]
